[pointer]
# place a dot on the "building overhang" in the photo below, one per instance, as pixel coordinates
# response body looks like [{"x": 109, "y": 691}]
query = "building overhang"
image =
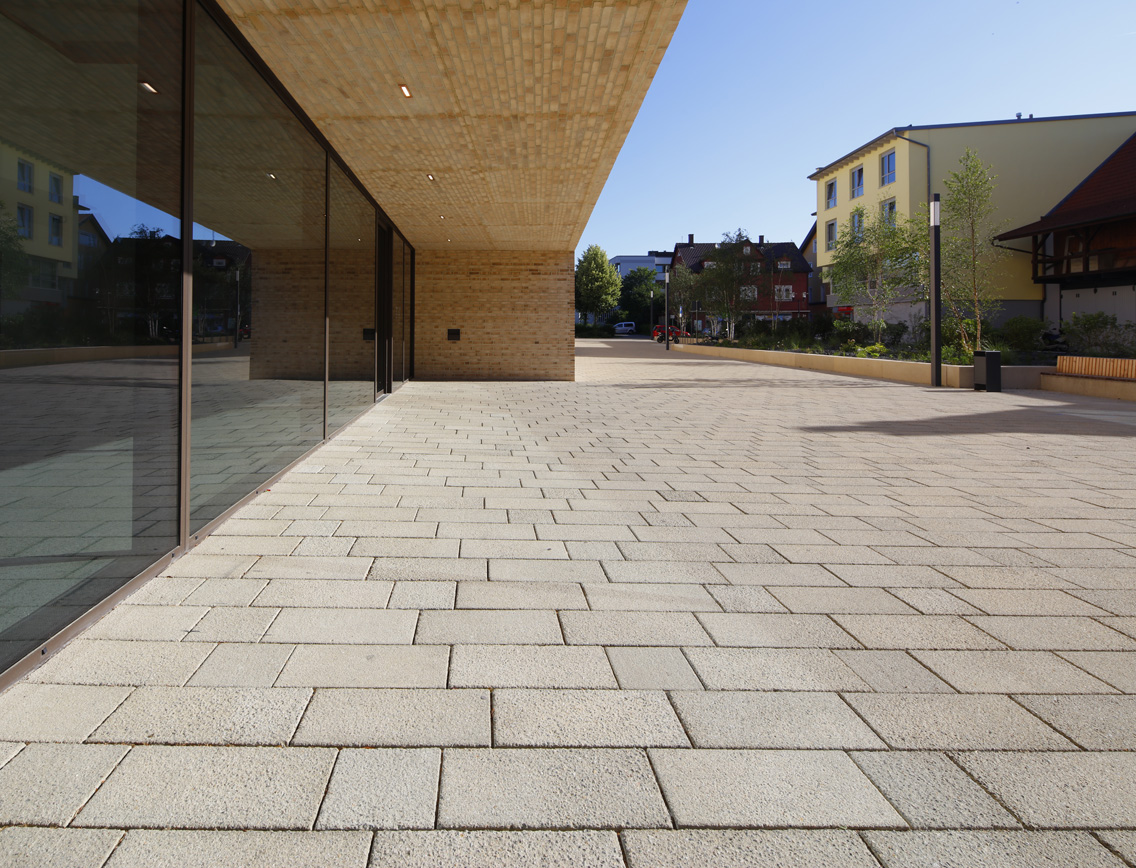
[{"x": 517, "y": 109}]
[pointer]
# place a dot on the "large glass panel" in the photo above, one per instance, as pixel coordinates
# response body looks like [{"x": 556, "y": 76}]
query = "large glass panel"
[
  {"x": 90, "y": 274},
  {"x": 351, "y": 301},
  {"x": 258, "y": 300}
]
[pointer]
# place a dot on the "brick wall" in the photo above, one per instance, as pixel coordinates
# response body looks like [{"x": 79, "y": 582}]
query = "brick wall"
[
  {"x": 514, "y": 309},
  {"x": 287, "y": 315}
]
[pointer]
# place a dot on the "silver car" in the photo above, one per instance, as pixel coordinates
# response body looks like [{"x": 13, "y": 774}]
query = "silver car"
[{"x": 625, "y": 328}]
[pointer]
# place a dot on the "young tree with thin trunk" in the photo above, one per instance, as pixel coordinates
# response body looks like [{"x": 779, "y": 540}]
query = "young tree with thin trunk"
[
  {"x": 597, "y": 283},
  {"x": 724, "y": 274}
]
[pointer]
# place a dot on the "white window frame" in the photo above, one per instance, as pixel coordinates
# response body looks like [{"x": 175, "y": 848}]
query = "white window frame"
[
  {"x": 830, "y": 236},
  {"x": 856, "y": 190},
  {"x": 55, "y": 221},
  {"x": 887, "y": 161},
  {"x": 55, "y": 188},
  {"x": 889, "y": 210},
  {"x": 830, "y": 194},
  {"x": 25, "y": 176}
]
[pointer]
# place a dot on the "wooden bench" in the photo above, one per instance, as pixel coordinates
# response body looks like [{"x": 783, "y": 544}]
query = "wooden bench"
[{"x": 1100, "y": 378}]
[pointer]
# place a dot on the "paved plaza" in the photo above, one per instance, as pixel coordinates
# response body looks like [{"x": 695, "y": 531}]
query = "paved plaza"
[{"x": 681, "y": 612}]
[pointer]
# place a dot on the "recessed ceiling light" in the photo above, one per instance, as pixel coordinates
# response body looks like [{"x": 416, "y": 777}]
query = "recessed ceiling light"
[
  {"x": 441, "y": 216},
  {"x": 428, "y": 175},
  {"x": 269, "y": 174},
  {"x": 405, "y": 90},
  {"x": 147, "y": 86}
]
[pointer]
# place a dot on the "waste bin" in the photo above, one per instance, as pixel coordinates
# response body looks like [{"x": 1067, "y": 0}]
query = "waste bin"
[{"x": 988, "y": 370}]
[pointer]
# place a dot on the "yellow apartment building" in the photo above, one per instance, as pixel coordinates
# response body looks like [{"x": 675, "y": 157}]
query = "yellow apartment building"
[
  {"x": 1036, "y": 160},
  {"x": 39, "y": 196}
]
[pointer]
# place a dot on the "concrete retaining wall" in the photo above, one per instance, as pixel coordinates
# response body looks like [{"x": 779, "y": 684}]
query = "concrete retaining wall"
[{"x": 916, "y": 373}]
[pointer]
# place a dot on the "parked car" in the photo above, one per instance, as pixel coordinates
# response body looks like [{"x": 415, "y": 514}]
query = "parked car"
[
  {"x": 625, "y": 328},
  {"x": 676, "y": 332}
]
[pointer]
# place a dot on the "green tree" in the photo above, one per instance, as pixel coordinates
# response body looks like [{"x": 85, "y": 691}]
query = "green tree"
[
  {"x": 597, "y": 283},
  {"x": 684, "y": 290},
  {"x": 724, "y": 275},
  {"x": 635, "y": 294},
  {"x": 14, "y": 265},
  {"x": 875, "y": 263}
]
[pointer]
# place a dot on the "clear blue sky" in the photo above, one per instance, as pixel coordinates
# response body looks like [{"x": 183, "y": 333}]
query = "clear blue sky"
[{"x": 752, "y": 97}]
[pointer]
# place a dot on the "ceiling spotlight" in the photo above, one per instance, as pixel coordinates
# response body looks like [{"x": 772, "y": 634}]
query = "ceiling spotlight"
[
  {"x": 270, "y": 175},
  {"x": 428, "y": 175},
  {"x": 405, "y": 90},
  {"x": 147, "y": 86},
  {"x": 441, "y": 216}
]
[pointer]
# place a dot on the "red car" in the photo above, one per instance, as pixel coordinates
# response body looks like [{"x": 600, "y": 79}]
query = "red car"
[{"x": 676, "y": 332}]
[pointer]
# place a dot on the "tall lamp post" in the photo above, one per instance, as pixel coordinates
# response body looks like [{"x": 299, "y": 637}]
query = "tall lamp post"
[
  {"x": 667, "y": 308},
  {"x": 936, "y": 298}
]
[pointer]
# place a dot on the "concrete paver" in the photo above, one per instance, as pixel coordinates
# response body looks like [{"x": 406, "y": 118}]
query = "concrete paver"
[{"x": 790, "y": 614}]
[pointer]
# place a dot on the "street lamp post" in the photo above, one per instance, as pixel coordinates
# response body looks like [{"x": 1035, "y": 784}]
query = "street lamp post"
[
  {"x": 667, "y": 307},
  {"x": 936, "y": 298}
]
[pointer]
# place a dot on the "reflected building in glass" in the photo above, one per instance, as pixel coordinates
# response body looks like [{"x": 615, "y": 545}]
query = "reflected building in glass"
[{"x": 197, "y": 288}]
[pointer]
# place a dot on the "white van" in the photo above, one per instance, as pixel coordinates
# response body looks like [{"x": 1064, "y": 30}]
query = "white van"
[{"x": 625, "y": 328}]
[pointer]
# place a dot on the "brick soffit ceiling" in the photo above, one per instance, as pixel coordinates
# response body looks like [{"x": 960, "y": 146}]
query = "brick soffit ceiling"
[{"x": 519, "y": 107}]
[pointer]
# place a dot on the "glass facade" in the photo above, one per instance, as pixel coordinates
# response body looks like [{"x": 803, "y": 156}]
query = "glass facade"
[{"x": 152, "y": 250}]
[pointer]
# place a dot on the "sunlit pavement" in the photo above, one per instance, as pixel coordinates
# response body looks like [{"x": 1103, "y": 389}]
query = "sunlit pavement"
[{"x": 682, "y": 612}]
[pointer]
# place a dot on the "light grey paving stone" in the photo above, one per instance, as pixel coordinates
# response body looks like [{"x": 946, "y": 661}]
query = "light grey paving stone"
[
  {"x": 423, "y": 595},
  {"x": 314, "y": 593},
  {"x": 934, "y": 601},
  {"x": 562, "y": 788},
  {"x": 325, "y": 547},
  {"x": 388, "y": 788},
  {"x": 1009, "y": 672},
  {"x": 242, "y": 665},
  {"x": 175, "y": 848},
  {"x": 30, "y": 847},
  {"x": 1031, "y": 602},
  {"x": 400, "y": 547},
  {"x": 169, "y": 623},
  {"x": 841, "y": 600},
  {"x": 886, "y": 576},
  {"x": 429, "y": 569},
  {"x": 251, "y": 527},
  {"x": 55, "y": 712},
  {"x": 490, "y": 849},
  {"x": 769, "y": 788},
  {"x": 248, "y": 545},
  {"x": 488, "y": 627},
  {"x": 746, "y": 848},
  {"x": 772, "y": 669},
  {"x": 396, "y": 718},
  {"x": 158, "y": 786},
  {"x": 232, "y": 624},
  {"x": 587, "y": 532},
  {"x": 45, "y": 784},
  {"x": 893, "y": 672},
  {"x": 203, "y": 566},
  {"x": 662, "y": 572},
  {"x": 506, "y": 549},
  {"x": 657, "y": 551},
  {"x": 801, "y": 575},
  {"x": 931, "y": 792},
  {"x": 206, "y": 715},
  {"x": 522, "y": 570},
  {"x": 967, "y": 849},
  {"x": 650, "y": 598},
  {"x": 164, "y": 591},
  {"x": 652, "y": 669},
  {"x": 9, "y": 749},
  {"x": 1093, "y": 722},
  {"x": 225, "y": 592},
  {"x": 1061, "y": 790},
  {"x": 935, "y": 555},
  {"x": 776, "y": 631},
  {"x": 632, "y": 628},
  {"x": 529, "y": 666},
  {"x": 343, "y": 627},
  {"x": 585, "y": 718},
  {"x": 745, "y": 598},
  {"x": 1086, "y": 557},
  {"x": 1116, "y": 668},
  {"x": 109, "y": 661},
  {"x": 952, "y": 722},
  {"x": 833, "y": 554},
  {"x": 310, "y": 568},
  {"x": 520, "y": 595},
  {"x": 365, "y": 666},
  {"x": 892, "y": 632},
  {"x": 599, "y": 550},
  {"x": 1008, "y": 578},
  {"x": 1053, "y": 633},
  {"x": 1123, "y": 843},
  {"x": 746, "y": 719}
]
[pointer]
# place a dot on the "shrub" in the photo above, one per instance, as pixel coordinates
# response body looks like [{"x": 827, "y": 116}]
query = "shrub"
[
  {"x": 1023, "y": 333},
  {"x": 1099, "y": 334},
  {"x": 595, "y": 331}
]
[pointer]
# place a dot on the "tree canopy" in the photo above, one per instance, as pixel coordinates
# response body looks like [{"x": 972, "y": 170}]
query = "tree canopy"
[
  {"x": 597, "y": 283},
  {"x": 635, "y": 295}
]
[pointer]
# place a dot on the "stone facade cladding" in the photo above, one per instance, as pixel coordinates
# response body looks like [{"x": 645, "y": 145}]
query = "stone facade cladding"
[{"x": 514, "y": 309}]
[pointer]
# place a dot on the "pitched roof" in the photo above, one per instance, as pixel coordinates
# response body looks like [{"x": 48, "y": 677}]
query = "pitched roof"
[
  {"x": 778, "y": 250},
  {"x": 1107, "y": 194},
  {"x": 692, "y": 254}
]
